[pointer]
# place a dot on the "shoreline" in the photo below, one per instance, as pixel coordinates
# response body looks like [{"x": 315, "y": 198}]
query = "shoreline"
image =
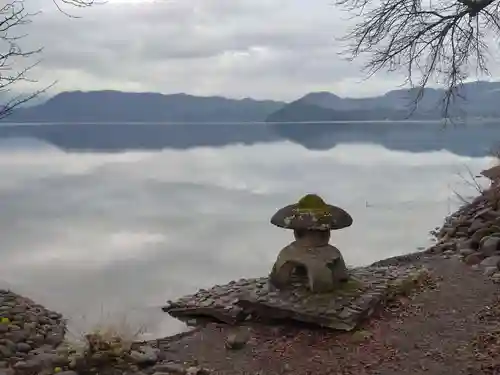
[
  {"x": 467, "y": 247},
  {"x": 465, "y": 263}
]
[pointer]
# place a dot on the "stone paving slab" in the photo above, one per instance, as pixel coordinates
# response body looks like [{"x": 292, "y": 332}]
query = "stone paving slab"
[{"x": 343, "y": 309}]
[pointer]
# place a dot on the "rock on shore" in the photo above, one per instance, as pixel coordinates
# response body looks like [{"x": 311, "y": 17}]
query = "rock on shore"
[
  {"x": 32, "y": 338},
  {"x": 472, "y": 234},
  {"x": 344, "y": 309},
  {"x": 28, "y": 332},
  {"x": 32, "y": 342}
]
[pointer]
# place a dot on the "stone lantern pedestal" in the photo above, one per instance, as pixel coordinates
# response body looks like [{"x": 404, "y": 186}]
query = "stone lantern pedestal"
[
  {"x": 310, "y": 259},
  {"x": 309, "y": 282}
]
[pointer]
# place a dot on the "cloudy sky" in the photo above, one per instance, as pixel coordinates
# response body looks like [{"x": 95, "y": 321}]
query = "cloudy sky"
[{"x": 277, "y": 49}]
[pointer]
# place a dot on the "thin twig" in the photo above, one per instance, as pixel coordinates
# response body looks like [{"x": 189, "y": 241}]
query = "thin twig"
[
  {"x": 437, "y": 40},
  {"x": 13, "y": 18}
]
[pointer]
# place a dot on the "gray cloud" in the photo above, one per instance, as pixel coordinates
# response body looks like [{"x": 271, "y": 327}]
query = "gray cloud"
[{"x": 267, "y": 49}]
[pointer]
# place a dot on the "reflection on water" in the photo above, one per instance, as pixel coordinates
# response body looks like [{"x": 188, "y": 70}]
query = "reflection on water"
[
  {"x": 101, "y": 235},
  {"x": 473, "y": 139}
]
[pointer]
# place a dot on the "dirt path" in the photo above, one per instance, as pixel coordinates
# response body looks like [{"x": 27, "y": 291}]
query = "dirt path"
[{"x": 447, "y": 330}]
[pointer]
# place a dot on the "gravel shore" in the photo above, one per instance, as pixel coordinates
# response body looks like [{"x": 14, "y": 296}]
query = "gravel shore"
[
  {"x": 27, "y": 329},
  {"x": 435, "y": 331},
  {"x": 452, "y": 327},
  {"x": 449, "y": 326},
  {"x": 32, "y": 342}
]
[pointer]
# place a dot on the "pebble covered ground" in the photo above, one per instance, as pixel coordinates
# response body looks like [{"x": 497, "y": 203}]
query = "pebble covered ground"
[
  {"x": 439, "y": 330},
  {"x": 32, "y": 342},
  {"x": 27, "y": 331},
  {"x": 451, "y": 327}
]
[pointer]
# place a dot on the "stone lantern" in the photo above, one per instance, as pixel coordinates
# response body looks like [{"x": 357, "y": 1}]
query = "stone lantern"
[{"x": 310, "y": 259}]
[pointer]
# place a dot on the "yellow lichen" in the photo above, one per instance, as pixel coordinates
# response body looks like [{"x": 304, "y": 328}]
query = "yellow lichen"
[
  {"x": 312, "y": 203},
  {"x": 412, "y": 282},
  {"x": 350, "y": 286},
  {"x": 361, "y": 335}
]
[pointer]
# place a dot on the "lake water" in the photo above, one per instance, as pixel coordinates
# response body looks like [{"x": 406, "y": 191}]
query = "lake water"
[{"x": 109, "y": 221}]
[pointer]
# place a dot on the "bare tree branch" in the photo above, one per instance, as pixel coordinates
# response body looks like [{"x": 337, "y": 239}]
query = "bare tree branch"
[
  {"x": 431, "y": 39},
  {"x": 75, "y": 4},
  {"x": 13, "y": 58}
]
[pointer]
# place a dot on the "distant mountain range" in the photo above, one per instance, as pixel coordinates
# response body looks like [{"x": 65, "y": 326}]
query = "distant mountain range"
[
  {"x": 481, "y": 99},
  {"x": 117, "y": 106},
  {"x": 478, "y": 99}
]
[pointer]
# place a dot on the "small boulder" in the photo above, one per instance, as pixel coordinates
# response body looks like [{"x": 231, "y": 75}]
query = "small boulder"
[
  {"x": 479, "y": 235},
  {"x": 448, "y": 253},
  {"x": 485, "y": 213},
  {"x": 237, "y": 340},
  {"x": 23, "y": 347},
  {"x": 492, "y": 261},
  {"x": 436, "y": 249},
  {"x": 489, "y": 245},
  {"x": 54, "y": 338},
  {"x": 6, "y": 352},
  {"x": 466, "y": 252},
  {"x": 496, "y": 277},
  {"x": 476, "y": 225},
  {"x": 196, "y": 370},
  {"x": 449, "y": 246},
  {"x": 67, "y": 372},
  {"x": 489, "y": 271},
  {"x": 361, "y": 335},
  {"x": 146, "y": 355},
  {"x": 30, "y": 365},
  {"x": 468, "y": 244},
  {"x": 51, "y": 359},
  {"x": 473, "y": 259},
  {"x": 169, "y": 368}
]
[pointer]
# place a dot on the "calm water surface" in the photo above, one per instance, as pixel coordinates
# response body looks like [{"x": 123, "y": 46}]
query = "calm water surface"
[{"x": 101, "y": 222}]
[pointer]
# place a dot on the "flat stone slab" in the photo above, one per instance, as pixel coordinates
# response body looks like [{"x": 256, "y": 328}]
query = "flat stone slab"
[
  {"x": 219, "y": 302},
  {"x": 342, "y": 309}
]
